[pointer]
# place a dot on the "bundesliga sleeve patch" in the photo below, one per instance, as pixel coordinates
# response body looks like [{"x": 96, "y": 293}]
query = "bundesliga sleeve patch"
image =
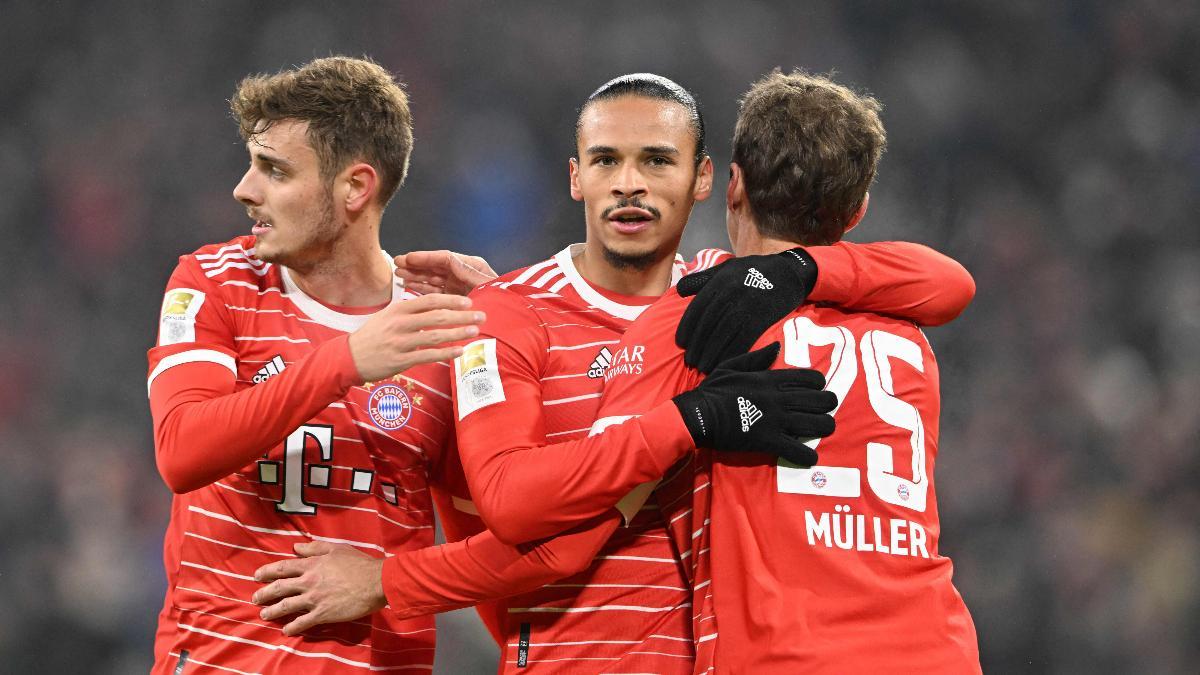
[
  {"x": 178, "y": 318},
  {"x": 477, "y": 376}
]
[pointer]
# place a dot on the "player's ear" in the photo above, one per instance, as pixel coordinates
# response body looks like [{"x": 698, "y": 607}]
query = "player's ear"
[
  {"x": 704, "y": 179},
  {"x": 359, "y": 183},
  {"x": 735, "y": 194},
  {"x": 573, "y": 169},
  {"x": 858, "y": 215}
]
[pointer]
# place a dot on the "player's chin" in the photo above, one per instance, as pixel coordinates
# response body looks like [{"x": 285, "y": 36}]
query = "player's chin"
[
  {"x": 636, "y": 255},
  {"x": 267, "y": 251}
]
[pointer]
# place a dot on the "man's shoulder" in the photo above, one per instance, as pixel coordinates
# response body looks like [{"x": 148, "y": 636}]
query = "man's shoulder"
[
  {"x": 528, "y": 288},
  {"x": 705, "y": 259},
  {"x": 667, "y": 309},
  {"x": 232, "y": 263},
  {"x": 852, "y": 322}
]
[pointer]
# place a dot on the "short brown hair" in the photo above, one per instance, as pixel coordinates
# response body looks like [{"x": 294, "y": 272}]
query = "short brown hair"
[
  {"x": 355, "y": 110},
  {"x": 808, "y": 149}
]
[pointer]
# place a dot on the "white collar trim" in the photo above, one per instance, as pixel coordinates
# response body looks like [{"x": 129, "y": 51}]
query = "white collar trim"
[
  {"x": 347, "y": 323},
  {"x": 566, "y": 262}
]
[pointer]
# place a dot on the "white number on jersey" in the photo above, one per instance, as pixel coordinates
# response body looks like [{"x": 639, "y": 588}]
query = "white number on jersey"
[{"x": 878, "y": 348}]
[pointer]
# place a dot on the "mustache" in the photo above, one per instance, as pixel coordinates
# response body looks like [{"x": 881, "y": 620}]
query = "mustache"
[{"x": 626, "y": 203}]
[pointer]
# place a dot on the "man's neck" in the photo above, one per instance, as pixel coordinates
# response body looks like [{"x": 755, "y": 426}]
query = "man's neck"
[
  {"x": 349, "y": 274},
  {"x": 653, "y": 280},
  {"x": 750, "y": 242}
]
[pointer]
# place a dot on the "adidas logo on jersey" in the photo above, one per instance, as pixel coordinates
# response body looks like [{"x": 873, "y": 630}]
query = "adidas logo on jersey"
[
  {"x": 600, "y": 363},
  {"x": 273, "y": 368},
  {"x": 749, "y": 413},
  {"x": 756, "y": 279}
]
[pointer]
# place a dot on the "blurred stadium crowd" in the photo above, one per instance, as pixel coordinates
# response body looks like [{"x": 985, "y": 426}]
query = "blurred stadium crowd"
[{"x": 1053, "y": 148}]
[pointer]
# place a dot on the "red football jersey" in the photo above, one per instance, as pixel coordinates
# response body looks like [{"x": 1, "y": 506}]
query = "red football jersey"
[
  {"x": 832, "y": 569},
  {"x": 243, "y": 351},
  {"x": 534, "y": 377}
]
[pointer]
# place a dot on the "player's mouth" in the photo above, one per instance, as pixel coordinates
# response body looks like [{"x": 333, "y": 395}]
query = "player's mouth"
[
  {"x": 260, "y": 227},
  {"x": 630, "y": 219}
]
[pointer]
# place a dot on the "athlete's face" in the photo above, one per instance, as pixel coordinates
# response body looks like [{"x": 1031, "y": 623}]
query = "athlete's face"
[
  {"x": 285, "y": 195},
  {"x": 637, "y": 177}
]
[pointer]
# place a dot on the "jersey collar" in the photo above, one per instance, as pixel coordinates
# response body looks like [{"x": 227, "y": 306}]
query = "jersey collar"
[
  {"x": 566, "y": 262},
  {"x": 330, "y": 318}
]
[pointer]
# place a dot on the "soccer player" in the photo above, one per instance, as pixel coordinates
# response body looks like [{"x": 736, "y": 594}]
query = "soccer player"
[
  {"x": 298, "y": 394},
  {"x": 832, "y": 568},
  {"x": 294, "y": 386},
  {"x": 534, "y": 379}
]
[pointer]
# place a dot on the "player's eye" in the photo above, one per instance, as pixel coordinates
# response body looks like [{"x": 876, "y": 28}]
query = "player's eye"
[
  {"x": 660, "y": 160},
  {"x": 275, "y": 173},
  {"x": 604, "y": 160}
]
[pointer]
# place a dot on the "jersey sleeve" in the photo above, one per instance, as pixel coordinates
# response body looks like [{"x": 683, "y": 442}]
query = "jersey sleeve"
[
  {"x": 630, "y": 395},
  {"x": 524, "y": 488},
  {"x": 203, "y": 431},
  {"x": 481, "y": 568},
  {"x": 633, "y": 394},
  {"x": 896, "y": 278}
]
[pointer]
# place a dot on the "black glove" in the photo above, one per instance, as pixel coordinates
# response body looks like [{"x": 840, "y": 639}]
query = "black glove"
[
  {"x": 744, "y": 406},
  {"x": 737, "y": 301}
]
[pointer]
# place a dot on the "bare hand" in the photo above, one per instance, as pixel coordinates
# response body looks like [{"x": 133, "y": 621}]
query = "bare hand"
[
  {"x": 409, "y": 333},
  {"x": 330, "y": 583},
  {"x": 442, "y": 272}
]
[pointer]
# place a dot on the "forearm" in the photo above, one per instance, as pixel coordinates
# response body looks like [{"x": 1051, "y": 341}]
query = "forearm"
[
  {"x": 900, "y": 279},
  {"x": 527, "y": 493},
  {"x": 482, "y": 568},
  {"x": 205, "y": 432}
]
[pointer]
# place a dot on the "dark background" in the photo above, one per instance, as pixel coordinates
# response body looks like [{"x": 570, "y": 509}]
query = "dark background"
[{"x": 1053, "y": 148}]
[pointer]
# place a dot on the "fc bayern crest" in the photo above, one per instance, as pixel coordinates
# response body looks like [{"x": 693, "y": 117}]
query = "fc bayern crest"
[{"x": 389, "y": 407}]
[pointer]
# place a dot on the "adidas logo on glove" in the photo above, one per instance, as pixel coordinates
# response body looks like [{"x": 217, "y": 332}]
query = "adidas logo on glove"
[
  {"x": 749, "y": 413},
  {"x": 756, "y": 279}
]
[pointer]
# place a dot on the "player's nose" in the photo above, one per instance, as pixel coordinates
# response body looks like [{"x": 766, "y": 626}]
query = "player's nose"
[
  {"x": 628, "y": 182},
  {"x": 246, "y": 191}
]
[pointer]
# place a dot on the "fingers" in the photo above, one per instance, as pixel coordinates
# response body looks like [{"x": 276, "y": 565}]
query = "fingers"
[
  {"x": 433, "y": 301},
  {"x": 283, "y": 588},
  {"x": 692, "y": 283},
  {"x": 442, "y": 318},
  {"x": 433, "y": 262},
  {"x": 282, "y": 570},
  {"x": 311, "y": 548},
  {"x": 757, "y": 360},
  {"x": 798, "y": 453},
  {"x": 794, "y": 379},
  {"x": 302, "y": 623},
  {"x": 471, "y": 271},
  {"x": 807, "y": 425},
  {"x": 425, "y": 288},
  {"x": 812, "y": 402}
]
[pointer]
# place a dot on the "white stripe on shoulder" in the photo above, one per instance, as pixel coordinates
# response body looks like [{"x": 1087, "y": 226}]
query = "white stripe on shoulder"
[
  {"x": 239, "y": 255},
  {"x": 547, "y": 278},
  {"x": 524, "y": 277},
  {"x": 191, "y": 356},
  {"x": 240, "y": 265},
  {"x": 222, "y": 251}
]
